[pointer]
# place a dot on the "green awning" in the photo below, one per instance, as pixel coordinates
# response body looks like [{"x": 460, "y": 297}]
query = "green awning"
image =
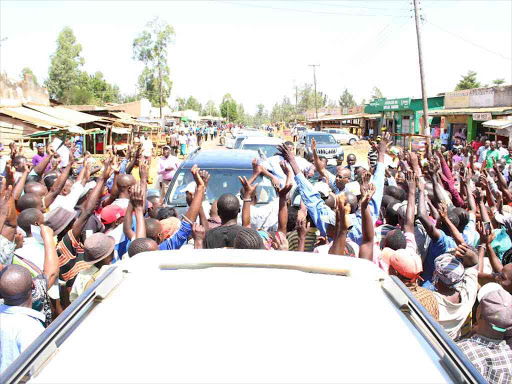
[
  {"x": 44, "y": 133},
  {"x": 185, "y": 119}
]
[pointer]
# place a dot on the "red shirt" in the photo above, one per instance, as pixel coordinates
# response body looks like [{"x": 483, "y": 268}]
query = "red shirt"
[{"x": 475, "y": 145}]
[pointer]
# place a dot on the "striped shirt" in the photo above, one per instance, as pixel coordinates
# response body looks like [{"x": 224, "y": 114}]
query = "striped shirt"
[
  {"x": 71, "y": 258},
  {"x": 373, "y": 156},
  {"x": 309, "y": 246}
]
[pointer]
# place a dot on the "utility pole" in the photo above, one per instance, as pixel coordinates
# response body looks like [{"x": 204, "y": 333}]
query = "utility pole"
[
  {"x": 160, "y": 75},
  {"x": 296, "y": 102},
  {"x": 314, "y": 81},
  {"x": 426, "y": 127}
]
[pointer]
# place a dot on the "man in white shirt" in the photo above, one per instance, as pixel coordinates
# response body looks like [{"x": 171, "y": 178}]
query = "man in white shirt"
[
  {"x": 482, "y": 151},
  {"x": 502, "y": 150},
  {"x": 273, "y": 165},
  {"x": 147, "y": 146},
  {"x": 63, "y": 151},
  {"x": 445, "y": 136}
]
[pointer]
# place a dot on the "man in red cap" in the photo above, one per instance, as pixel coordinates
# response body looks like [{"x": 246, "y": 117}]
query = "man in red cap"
[{"x": 112, "y": 216}]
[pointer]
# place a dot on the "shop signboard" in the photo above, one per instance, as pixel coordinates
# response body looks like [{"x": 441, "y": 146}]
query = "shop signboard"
[
  {"x": 397, "y": 104},
  {"x": 375, "y": 106},
  {"x": 479, "y": 97},
  {"x": 482, "y": 116}
]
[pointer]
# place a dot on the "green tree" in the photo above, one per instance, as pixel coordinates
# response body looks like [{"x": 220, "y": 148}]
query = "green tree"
[
  {"x": 376, "y": 94},
  {"x": 276, "y": 114},
  {"x": 193, "y": 104},
  {"x": 65, "y": 65},
  {"x": 347, "y": 99},
  {"x": 261, "y": 116},
  {"x": 102, "y": 90},
  {"x": 28, "y": 71},
  {"x": 498, "y": 81},
  {"x": 468, "y": 81},
  {"x": 150, "y": 48},
  {"x": 181, "y": 103},
  {"x": 363, "y": 102},
  {"x": 228, "y": 108},
  {"x": 210, "y": 109},
  {"x": 287, "y": 109},
  {"x": 306, "y": 96}
]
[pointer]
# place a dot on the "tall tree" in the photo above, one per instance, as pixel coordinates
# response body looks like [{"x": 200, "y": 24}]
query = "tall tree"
[
  {"x": 376, "y": 94},
  {"x": 498, "y": 81},
  {"x": 102, "y": 90},
  {"x": 193, "y": 104},
  {"x": 468, "y": 81},
  {"x": 150, "y": 47},
  {"x": 307, "y": 98},
  {"x": 363, "y": 102},
  {"x": 261, "y": 116},
  {"x": 210, "y": 109},
  {"x": 181, "y": 104},
  {"x": 65, "y": 65},
  {"x": 228, "y": 108},
  {"x": 28, "y": 71},
  {"x": 347, "y": 99}
]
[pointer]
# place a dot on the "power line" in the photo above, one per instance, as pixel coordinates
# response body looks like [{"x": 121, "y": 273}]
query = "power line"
[
  {"x": 302, "y": 10},
  {"x": 467, "y": 41}
]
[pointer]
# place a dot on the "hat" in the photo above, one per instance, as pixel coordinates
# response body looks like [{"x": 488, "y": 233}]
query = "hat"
[
  {"x": 166, "y": 146},
  {"x": 353, "y": 187},
  {"x": 58, "y": 219},
  {"x": 406, "y": 263},
  {"x": 496, "y": 309},
  {"x": 87, "y": 187},
  {"x": 402, "y": 210},
  {"x": 449, "y": 270},
  {"x": 97, "y": 247},
  {"x": 322, "y": 188},
  {"x": 488, "y": 288},
  {"x": 111, "y": 213},
  {"x": 39, "y": 145},
  {"x": 170, "y": 226},
  {"x": 191, "y": 187}
]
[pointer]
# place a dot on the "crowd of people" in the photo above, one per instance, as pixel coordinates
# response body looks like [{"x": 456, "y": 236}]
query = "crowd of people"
[{"x": 440, "y": 221}]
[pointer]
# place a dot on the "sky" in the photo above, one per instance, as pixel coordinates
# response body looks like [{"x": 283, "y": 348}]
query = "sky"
[{"x": 258, "y": 51}]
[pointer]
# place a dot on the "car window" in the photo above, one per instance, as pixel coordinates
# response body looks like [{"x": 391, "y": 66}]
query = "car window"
[
  {"x": 221, "y": 181},
  {"x": 238, "y": 142},
  {"x": 269, "y": 149},
  {"x": 322, "y": 139}
]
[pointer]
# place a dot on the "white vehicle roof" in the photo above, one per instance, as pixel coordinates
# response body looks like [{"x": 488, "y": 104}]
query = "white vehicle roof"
[
  {"x": 251, "y": 133},
  {"x": 263, "y": 140},
  {"x": 231, "y": 316}
]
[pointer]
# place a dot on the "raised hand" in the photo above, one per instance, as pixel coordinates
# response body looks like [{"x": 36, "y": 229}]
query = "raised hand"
[
  {"x": 410, "y": 180},
  {"x": 249, "y": 190},
  {"x": 137, "y": 197},
  {"x": 486, "y": 235},
  {"x": 280, "y": 242},
  {"x": 198, "y": 233},
  {"x": 367, "y": 194},
  {"x": 443, "y": 210},
  {"x": 5, "y": 195},
  {"x": 205, "y": 176},
  {"x": 197, "y": 177},
  {"x": 342, "y": 212},
  {"x": 143, "y": 169},
  {"x": 285, "y": 168},
  {"x": 385, "y": 143},
  {"x": 107, "y": 171},
  {"x": 313, "y": 145},
  {"x": 302, "y": 227},
  {"x": 286, "y": 152}
]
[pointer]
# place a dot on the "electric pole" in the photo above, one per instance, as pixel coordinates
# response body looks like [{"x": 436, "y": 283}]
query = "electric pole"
[
  {"x": 160, "y": 75},
  {"x": 314, "y": 81},
  {"x": 426, "y": 127},
  {"x": 296, "y": 102}
]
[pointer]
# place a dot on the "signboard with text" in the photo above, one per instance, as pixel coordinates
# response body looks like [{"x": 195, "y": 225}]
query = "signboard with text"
[
  {"x": 397, "y": 104},
  {"x": 482, "y": 116},
  {"x": 479, "y": 97}
]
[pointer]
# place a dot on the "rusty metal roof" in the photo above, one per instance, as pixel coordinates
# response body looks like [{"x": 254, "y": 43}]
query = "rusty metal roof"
[
  {"x": 34, "y": 117},
  {"x": 66, "y": 114}
]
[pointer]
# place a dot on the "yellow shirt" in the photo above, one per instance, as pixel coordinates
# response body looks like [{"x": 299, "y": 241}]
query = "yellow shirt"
[{"x": 136, "y": 174}]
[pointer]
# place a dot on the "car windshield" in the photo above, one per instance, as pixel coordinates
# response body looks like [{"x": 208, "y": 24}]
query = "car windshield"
[
  {"x": 322, "y": 139},
  {"x": 221, "y": 181},
  {"x": 269, "y": 149},
  {"x": 238, "y": 142}
]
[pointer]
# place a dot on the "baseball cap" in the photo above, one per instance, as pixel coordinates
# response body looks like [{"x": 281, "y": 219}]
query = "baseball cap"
[
  {"x": 166, "y": 146},
  {"x": 496, "y": 309},
  {"x": 406, "y": 263},
  {"x": 97, "y": 247},
  {"x": 40, "y": 145},
  {"x": 488, "y": 288},
  {"x": 111, "y": 213}
]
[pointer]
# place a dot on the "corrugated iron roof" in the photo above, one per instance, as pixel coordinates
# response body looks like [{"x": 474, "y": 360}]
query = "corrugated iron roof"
[
  {"x": 498, "y": 123},
  {"x": 469, "y": 111},
  {"x": 34, "y": 117},
  {"x": 66, "y": 114}
]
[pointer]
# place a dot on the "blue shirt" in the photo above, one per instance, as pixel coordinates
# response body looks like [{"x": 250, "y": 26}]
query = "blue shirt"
[
  {"x": 319, "y": 212},
  {"x": 436, "y": 248},
  {"x": 178, "y": 239},
  {"x": 110, "y": 181},
  {"x": 356, "y": 232},
  {"x": 20, "y": 327}
]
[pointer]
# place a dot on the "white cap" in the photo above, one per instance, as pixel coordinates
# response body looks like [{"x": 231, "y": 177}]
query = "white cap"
[
  {"x": 488, "y": 288},
  {"x": 191, "y": 187},
  {"x": 322, "y": 188},
  {"x": 353, "y": 187}
]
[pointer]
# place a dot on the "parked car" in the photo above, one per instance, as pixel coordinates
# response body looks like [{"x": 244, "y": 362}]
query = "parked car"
[
  {"x": 302, "y": 130},
  {"x": 326, "y": 146},
  {"x": 224, "y": 168},
  {"x": 231, "y": 315},
  {"x": 267, "y": 145},
  {"x": 233, "y": 142},
  {"x": 342, "y": 136}
]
